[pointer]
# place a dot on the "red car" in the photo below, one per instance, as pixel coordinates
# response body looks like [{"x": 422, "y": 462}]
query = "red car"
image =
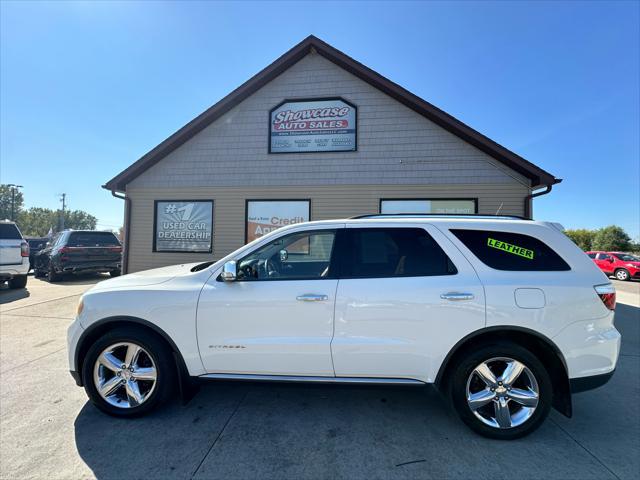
[{"x": 621, "y": 265}]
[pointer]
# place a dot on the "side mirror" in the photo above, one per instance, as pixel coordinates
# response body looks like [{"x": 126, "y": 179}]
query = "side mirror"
[
  {"x": 284, "y": 255},
  {"x": 610, "y": 260},
  {"x": 229, "y": 271}
]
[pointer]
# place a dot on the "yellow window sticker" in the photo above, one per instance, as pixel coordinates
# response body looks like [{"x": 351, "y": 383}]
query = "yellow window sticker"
[{"x": 509, "y": 248}]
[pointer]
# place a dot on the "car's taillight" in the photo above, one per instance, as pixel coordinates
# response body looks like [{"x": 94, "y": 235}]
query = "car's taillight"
[
  {"x": 115, "y": 249},
  {"x": 24, "y": 249},
  {"x": 607, "y": 294}
]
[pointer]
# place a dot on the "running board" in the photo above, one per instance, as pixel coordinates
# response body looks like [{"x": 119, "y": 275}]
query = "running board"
[{"x": 302, "y": 378}]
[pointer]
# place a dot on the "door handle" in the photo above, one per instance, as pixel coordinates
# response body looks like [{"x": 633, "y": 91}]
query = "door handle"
[
  {"x": 311, "y": 297},
  {"x": 456, "y": 296}
]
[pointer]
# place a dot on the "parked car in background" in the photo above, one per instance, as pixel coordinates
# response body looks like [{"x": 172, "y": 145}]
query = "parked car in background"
[
  {"x": 14, "y": 255},
  {"x": 79, "y": 251},
  {"x": 35, "y": 245},
  {"x": 507, "y": 317},
  {"x": 623, "y": 266}
]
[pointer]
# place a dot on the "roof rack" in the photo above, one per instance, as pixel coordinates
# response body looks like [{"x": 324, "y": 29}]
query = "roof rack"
[{"x": 439, "y": 215}]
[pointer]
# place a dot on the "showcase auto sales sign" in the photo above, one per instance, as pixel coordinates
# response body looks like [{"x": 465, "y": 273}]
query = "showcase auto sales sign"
[{"x": 313, "y": 126}]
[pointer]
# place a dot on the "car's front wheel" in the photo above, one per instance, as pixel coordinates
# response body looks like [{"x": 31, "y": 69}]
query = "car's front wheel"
[
  {"x": 128, "y": 372},
  {"x": 501, "y": 391},
  {"x": 622, "y": 274}
]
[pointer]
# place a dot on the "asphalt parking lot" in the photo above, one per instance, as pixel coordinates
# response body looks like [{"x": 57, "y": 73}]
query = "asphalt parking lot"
[{"x": 234, "y": 430}]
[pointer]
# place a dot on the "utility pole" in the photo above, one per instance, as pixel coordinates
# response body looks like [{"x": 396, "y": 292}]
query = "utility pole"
[
  {"x": 63, "y": 197},
  {"x": 14, "y": 188}
]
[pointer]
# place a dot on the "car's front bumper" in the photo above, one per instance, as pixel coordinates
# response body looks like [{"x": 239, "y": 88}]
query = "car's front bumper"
[{"x": 74, "y": 332}]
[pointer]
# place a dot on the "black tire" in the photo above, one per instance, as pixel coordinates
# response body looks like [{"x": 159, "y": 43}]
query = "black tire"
[
  {"x": 115, "y": 273},
  {"x": 19, "y": 281},
  {"x": 463, "y": 371},
  {"x": 621, "y": 274},
  {"x": 52, "y": 275},
  {"x": 158, "y": 351}
]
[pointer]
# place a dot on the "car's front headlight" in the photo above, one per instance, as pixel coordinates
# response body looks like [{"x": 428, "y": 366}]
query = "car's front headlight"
[{"x": 80, "y": 307}]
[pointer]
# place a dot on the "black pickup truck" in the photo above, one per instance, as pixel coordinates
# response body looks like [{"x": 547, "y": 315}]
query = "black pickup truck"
[{"x": 78, "y": 251}]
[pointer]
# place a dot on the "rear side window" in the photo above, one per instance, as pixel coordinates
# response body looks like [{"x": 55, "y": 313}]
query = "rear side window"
[
  {"x": 92, "y": 239},
  {"x": 591, "y": 255},
  {"x": 511, "y": 251},
  {"x": 9, "y": 231},
  {"x": 393, "y": 252}
]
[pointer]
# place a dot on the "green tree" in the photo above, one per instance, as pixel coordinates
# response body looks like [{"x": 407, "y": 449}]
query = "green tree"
[
  {"x": 582, "y": 237},
  {"x": 6, "y": 193},
  {"x": 611, "y": 238},
  {"x": 37, "y": 221}
]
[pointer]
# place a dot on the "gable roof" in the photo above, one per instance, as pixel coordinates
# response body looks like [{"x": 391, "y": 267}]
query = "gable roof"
[{"x": 538, "y": 176}]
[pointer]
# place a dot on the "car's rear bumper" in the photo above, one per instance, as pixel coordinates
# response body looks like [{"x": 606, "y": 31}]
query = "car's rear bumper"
[
  {"x": 7, "y": 272},
  {"x": 590, "y": 347},
  {"x": 98, "y": 266},
  {"x": 589, "y": 383}
]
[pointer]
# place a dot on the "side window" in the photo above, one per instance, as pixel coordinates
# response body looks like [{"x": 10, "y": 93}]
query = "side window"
[
  {"x": 298, "y": 256},
  {"x": 393, "y": 252},
  {"x": 511, "y": 251},
  {"x": 591, "y": 255},
  {"x": 603, "y": 256}
]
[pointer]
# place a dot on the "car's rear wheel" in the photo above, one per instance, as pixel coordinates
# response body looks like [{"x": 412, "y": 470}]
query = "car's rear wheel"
[
  {"x": 19, "y": 281},
  {"x": 501, "y": 391},
  {"x": 52, "y": 275},
  {"x": 622, "y": 274},
  {"x": 128, "y": 372}
]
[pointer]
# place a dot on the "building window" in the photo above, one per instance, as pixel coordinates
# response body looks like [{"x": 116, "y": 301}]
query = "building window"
[
  {"x": 183, "y": 226},
  {"x": 458, "y": 206},
  {"x": 264, "y": 216}
]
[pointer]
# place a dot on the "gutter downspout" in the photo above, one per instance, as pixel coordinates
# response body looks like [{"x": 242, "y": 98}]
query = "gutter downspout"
[
  {"x": 127, "y": 225},
  {"x": 529, "y": 198}
]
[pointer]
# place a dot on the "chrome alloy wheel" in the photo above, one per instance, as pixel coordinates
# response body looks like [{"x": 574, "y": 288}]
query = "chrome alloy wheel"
[
  {"x": 502, "y": 392},
  {"x": 125, "y": 375}
]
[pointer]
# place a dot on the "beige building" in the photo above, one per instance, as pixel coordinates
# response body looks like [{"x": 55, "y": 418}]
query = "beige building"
[{"x": 315, "y": 135}]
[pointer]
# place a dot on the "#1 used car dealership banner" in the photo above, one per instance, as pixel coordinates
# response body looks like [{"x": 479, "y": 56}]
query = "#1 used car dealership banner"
[
  {"x": 327, "y": 125},
  {"x": 183, "y": 226},
  {"x": 268, "y": 215}
]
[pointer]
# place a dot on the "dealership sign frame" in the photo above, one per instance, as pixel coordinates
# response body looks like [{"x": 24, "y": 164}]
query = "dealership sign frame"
[
  {"x": 329, "y": 114},
  {"x": 247, "y": 212},
  {"x": 176, "y": 208}
]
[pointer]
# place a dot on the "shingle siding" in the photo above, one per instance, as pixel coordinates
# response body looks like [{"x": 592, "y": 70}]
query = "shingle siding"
[{"x": 395, "y": 144}]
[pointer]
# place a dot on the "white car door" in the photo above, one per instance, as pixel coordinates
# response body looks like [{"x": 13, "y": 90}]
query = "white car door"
[
  {"x": 277, "y": 317},
  {"x": 406, "y": 295}
]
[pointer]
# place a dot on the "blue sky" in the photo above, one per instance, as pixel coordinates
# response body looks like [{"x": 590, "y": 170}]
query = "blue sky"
[{"x": 86, "y": 88}]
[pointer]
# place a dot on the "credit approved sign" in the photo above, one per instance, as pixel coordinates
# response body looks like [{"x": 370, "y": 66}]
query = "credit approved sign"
[{"x": 322, "y": 125}]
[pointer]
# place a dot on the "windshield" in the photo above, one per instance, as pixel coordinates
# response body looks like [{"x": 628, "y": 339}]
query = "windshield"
[{"x": 625, "y": 257}]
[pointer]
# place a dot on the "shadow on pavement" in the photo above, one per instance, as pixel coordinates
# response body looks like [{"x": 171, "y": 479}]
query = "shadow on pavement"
[
  {"x": 254, "y": 430},
  {"x": 81, "y": 279},
  {"x": 7, "y": 295}
]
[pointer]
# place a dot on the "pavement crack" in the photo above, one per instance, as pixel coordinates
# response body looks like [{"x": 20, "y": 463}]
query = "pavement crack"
[
  {"x": 220, "y": 434},
  {"x": 409, "y": 463},
  {"x": 584, "y": 448},
  {"x": 4, "y": 372}
]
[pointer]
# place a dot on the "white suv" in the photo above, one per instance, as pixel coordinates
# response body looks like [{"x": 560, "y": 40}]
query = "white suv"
[
  {"x": 14, "y": 255},
  {"x": 506, "y": 316}
]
